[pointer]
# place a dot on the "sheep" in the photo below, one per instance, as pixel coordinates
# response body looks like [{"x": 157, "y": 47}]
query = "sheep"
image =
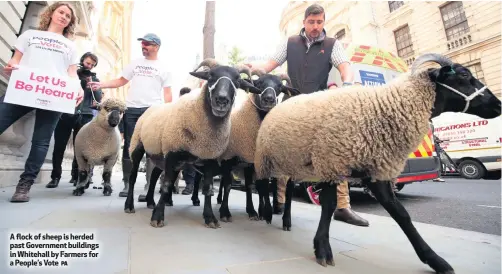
[
  {"x": 195, "y": 130},
  {"x": 246, "y": 120},
  {"x": 366, "y": 134},
  {"x": 150, "y": 165},
  {"x": 98, "y": 143}
]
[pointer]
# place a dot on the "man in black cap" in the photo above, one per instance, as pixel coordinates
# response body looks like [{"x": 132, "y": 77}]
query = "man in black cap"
[{"x": 151, "y": 86}]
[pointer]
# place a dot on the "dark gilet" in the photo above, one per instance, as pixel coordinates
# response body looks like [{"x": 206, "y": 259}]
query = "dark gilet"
[{"x": 309, "y": 68}]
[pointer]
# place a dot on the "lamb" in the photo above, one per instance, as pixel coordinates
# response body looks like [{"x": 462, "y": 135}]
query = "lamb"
[
  {"x": 246, "y": 120},
  {"x": 366, "y": 134},
  {"x": 195, "y": 130},
  {"x": 98, "y": 143}
]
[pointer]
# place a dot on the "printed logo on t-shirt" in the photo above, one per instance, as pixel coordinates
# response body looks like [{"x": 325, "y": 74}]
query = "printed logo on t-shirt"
[
  {"x": 145, "y": 71},
  {"x": 49, "y": 44}
]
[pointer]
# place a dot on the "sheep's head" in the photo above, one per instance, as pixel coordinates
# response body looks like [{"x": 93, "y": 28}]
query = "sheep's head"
[
  {"x": 271, "y": 86},
  {"x": 222, "y": 84},
  {"x": 457, "y": 90},
  {"x": 111, "y": 111}
]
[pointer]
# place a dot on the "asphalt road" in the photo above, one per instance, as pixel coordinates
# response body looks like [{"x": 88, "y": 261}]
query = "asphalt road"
[{"x": 473, "y": 205}]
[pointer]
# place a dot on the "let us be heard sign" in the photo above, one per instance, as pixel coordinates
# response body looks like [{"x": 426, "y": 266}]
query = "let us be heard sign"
[{"x": 33, "y": 88}]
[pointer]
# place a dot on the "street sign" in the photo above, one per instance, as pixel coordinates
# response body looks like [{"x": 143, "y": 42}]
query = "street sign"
[{"x": 370, "y": 78}]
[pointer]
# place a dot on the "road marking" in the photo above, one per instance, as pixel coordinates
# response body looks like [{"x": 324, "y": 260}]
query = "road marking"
[{"x": 489, "y": 206}]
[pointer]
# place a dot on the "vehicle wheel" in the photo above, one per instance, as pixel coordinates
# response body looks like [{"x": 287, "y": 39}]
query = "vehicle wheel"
[{"x": 470, "y": 169}]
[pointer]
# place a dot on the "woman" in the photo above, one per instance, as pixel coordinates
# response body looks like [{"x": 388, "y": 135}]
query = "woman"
[{"x": 49, "y": 49}]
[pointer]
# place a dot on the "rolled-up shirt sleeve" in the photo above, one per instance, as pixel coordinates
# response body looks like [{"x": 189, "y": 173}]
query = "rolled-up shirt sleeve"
[
  {"x": 281, "y": 52},
  {"x": 338, "y": 55}
]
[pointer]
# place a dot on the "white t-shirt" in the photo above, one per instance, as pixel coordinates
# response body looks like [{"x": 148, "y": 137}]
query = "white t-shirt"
[
  {"x": 148, "y": 80},
  {"x": 47, "y": 51}
]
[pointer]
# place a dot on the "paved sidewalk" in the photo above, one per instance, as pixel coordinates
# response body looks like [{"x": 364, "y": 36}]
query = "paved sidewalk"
[{"x": 128, "y": 244}]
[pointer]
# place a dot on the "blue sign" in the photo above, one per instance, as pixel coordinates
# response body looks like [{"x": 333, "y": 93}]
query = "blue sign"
[{"x": 370, "y": 78}]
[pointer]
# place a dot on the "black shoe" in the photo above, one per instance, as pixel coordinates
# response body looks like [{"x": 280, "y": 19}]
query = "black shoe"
[
  {"x": 53, "y": 183},
  {"x": 349, "y": 216}
]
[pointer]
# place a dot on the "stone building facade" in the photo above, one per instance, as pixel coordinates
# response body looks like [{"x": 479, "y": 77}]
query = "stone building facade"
[
  {"x": 94, "y": 33},
  {"x": 468, "y": 32}
]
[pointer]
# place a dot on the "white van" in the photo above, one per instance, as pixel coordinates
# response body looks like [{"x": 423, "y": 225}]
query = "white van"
[{"x": 473, "y": 143}]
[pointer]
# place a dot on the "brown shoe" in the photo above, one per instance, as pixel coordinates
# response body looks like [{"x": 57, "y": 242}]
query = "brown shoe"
[
  {"x": 22, "y": 191},
  {"x": 349, "y": 216}
]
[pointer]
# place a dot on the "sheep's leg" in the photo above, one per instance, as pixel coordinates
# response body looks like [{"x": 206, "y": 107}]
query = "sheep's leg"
[
  {"x": 277, "y": 209},
  {"x": 248, "y": 180},
  {"x": 107, "y": 185},
  {"x": 169, "y": 188},
  {"x": 136, "y": 157},
  {"x": 195, "y": 193},
  {"x": 385, "y": 196},
  {"x": 286, "y": 217},
  {"x": 154, "y": 176},
  {"x": 83, "y": 178},
  {"x": 209, "y": 218},
  {"x": 322, "y": 248},
  {"x": 226, "y": 181},
  {"x": 170, "y": 174},
  {"x": 265, "y": 206},
  {"x": 219, "y": 199}
]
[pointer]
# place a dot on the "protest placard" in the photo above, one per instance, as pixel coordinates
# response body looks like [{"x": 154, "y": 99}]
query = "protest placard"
[{"x": 34, "y": 88}]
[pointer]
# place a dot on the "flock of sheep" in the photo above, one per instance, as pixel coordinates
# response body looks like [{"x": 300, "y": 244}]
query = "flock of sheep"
[{"x": 353, "y": 133}]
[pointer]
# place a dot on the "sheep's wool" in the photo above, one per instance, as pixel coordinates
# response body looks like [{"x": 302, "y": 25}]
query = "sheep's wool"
[
  {"x": 97, "y": 141},
  {"x": 326, "y": 135},
  {"x": 182, "y": 126},
  {"x": 245, "y": 124}
]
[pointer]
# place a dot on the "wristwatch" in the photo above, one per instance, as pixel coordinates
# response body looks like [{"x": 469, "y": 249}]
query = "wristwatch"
[{"x": 346, "y": 84}]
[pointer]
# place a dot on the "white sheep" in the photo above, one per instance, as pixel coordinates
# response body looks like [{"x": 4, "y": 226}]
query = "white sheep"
[
  {"x": 194, "y": 130},
  {"x": 98, "y": 143},
  {"x": 366, "y": 133},
  {"x": 246, "y": 119}
]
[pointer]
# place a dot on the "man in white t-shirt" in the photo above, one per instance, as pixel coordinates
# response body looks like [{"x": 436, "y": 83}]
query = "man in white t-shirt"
[{"x": 151, "y": 85}]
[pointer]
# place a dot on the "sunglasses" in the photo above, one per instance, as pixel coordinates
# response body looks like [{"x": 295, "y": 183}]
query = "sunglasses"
[{"x": 146, "y": 44}]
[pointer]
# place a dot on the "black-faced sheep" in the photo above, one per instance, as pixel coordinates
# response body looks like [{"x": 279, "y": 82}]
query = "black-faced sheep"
[
  {"x": 239, "y": 156},
  {"x": 194, "y": 130},
  {"x": 98, "y": 143},
  {"x": 367, "y": 133}
]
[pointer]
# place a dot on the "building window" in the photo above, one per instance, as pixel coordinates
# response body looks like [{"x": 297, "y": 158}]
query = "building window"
[
  {"x": 340, "y": 34},
  {"x": 454, "y": 20},
  {"x": 394, "y": 5},
  {"x": 477, "y": 72},
  {"x": 403, "y": 42}
]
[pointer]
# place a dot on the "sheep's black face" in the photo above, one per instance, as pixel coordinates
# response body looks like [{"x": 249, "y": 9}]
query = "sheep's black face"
[
  {"x": 271, "y": 86},
  {"x": 459, "y": 91},
  {"x": 114, "y": 116}
]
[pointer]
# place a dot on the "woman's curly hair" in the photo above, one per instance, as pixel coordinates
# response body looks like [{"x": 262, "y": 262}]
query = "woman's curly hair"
[{"x": 46, "y": 15}]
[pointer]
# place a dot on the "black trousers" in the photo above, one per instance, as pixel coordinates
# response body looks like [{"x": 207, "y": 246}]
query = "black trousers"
[{"x": 66, "y": 124}]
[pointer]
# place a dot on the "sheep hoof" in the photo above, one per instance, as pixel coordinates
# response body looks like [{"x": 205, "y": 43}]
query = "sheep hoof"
[
  {"x": 286, "y": 228},
  {"x": 323, "y": 253},
  {"x": 169, "y": 203},
  {"x": 78, "y": 191},
  {"x": 212, "y": 222},
  {"x": 157, "y": 223},
  {"x": 107, "y": 190},
  {"x": 127, "y": 210},
  {"x": 226, "y": 219},
  {"x": 267, "y": 214},
  {"x": 150, "y": 205},
  {"x": 196, "y": 202}
]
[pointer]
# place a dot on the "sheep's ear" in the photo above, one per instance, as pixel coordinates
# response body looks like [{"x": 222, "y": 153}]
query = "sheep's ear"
[
  {"x": 289, "y": 90},
  {"x": 204, "y": 75},
  {"x": 248, "y": 87}
]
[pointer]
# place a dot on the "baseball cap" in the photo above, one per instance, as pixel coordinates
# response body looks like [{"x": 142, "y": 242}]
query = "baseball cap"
[{"x": 150, "y": 37}]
